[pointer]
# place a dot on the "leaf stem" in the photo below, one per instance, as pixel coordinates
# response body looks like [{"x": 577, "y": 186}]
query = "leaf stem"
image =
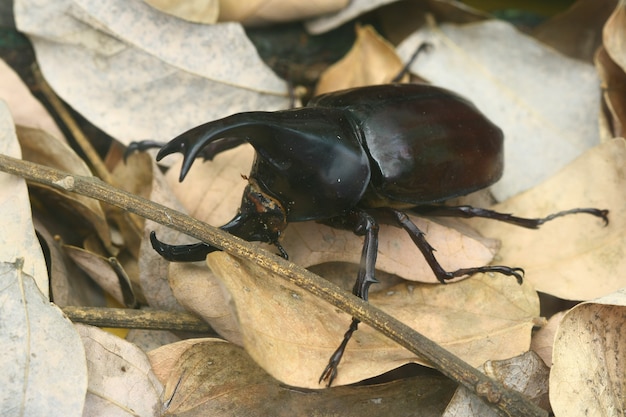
[{"x": 505, "y": 401}]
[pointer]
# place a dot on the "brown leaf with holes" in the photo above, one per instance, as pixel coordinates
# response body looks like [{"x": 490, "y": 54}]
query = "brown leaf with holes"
[{"x": 213, "y": 378}]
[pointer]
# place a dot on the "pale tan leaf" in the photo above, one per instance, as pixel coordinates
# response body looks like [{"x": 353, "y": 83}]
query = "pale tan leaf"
[
  {"x": 42, "y": 366},
  {"x": 542, "y": 130},
  {"x": 263, "y": 12},
  {"x": 148, "y": 340},
  {"x": 121, "y": 382},
  {"x": 109, "y": 62},
  {"x": 291, "y": 333},
  {"x": 213, "y": 378},
  {"x": 25, "y": 108},
  {"x": 525, "y": 373},
  {"x": 198, "y": 11},
  {"x": 614, "y": 34},
  {"x": 42, "y": 148},
  {"x": 573, "y": 257},
  {"x": 589, "y": 372},
  {"x": 18, "y": 239},
  {"x": 372, "y": 60},
  {"x": 198, "y": 290}
]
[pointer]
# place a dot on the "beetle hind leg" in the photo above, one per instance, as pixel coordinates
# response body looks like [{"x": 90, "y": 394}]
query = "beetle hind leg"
[
  {"x": 364, "y": 224},
  {"x": 418, "y": 237}
]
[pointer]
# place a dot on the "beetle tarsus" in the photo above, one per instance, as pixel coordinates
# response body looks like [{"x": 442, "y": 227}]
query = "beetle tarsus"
[{"x": 330, "y": 372}]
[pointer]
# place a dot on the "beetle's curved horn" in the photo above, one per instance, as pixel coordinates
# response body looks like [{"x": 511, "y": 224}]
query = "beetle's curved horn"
[{"x": 191, "y": 143}]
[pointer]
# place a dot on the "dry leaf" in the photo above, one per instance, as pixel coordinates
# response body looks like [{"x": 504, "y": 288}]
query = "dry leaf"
[
  {"x": 153, "y": 269},
  {"x": 107, "y": 272},
  {"x": 525, "y": 373},
  {"x": 198, "y": 11},
  {"x": 542, "y": 342},
  {"x": 291, "y": 333},
  {"x": 42, "y": 364},
  {"x": 573, "y": 257},
  {"x": 148, "y": 340},
  {"x": 614, "y": 92},
  {"x": 542, "y": 130},
  {"x": 589, "y": 372},
  {"x": 121, "y": 382},
  {"x": 110, "y": 63},
  {"x": 577, "y": 31},
  {"x": 18, "y": 239},
  {"x": 355, "y": 8},
  {"x": 163, "y": 359},
  {"x": 39, "y": 147},
  {"x": 261, "y": 12},
  {"x": 214, "y": 378},
  {"x": 25, "y": 108},
  {"x": 372, "y": 60},
  {"x": 198, "y": 290},
  {"x": 614, "y": 34}
]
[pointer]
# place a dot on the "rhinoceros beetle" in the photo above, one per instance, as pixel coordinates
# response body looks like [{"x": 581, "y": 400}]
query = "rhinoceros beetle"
[{"x": 353, "y": 157}]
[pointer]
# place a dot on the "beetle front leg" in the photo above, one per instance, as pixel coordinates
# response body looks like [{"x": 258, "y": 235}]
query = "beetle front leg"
[
  {"x": 364, "y": 224},
  {"x": 417, "y": 236}
]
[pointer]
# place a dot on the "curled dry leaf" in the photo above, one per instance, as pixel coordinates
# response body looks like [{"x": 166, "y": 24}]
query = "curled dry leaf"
[
  {"x": 573, "y": 257},
  {"x": 208, "y": 369},
  {"x": 198, "y": 11},
  {"x": 613, "y": 92},
  {"x": 107, "y": 272},
  {"x": 291, "y": 333},
  {"x": 355, "y": 8},
  {"x": 525, "y": 373},
  {"x": 262, "y": 12},
  {"x": 589, "y": 372},
  {"x": 121, "y": 381},
  {"x": 542, "y": 131},
  {"x": 42, "y": 148},
  {"x": 614, "y": 34},
  {"x": 542, "y": 342},
  {"x": 25, "y": 108},
  {"x": 42, "y": 366},
  {"x": 109, "y": 62},
  {"x": 372, "y": 60},
  {"x": 18, "y": 239}
]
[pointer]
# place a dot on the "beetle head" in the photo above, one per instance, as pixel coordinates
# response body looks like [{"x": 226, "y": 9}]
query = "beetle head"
[{"x": 261, "y": 217}]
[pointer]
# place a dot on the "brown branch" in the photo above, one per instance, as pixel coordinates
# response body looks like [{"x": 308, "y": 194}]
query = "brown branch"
[
  {"x": 506, "y": 402},
  {"x": 137, "y": 319}
]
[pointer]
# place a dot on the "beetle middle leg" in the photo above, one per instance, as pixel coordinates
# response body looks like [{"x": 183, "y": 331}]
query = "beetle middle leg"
[
  {"x": 417, "y": 236},
  {"x": 363, "y": 224}
]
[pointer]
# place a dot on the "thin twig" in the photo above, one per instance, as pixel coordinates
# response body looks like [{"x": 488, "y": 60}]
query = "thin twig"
[
  {"x": 137, "y": 319},
  {"x": 506, "y": 402}
]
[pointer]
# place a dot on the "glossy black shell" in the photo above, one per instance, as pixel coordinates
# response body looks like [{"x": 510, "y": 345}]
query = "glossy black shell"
[{"x": 425, "y": 144}]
